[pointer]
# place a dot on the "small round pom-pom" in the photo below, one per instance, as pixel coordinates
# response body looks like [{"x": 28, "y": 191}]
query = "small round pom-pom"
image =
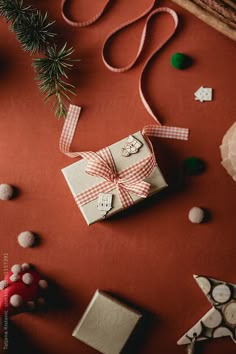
[
  {"x": 27, "y": 278},
  {"x": 196, "y": 215},
  {"x": 26, "y": 239},
  {"x": 43, "y": 284},
  {"x": 194, "y": 166},
  {"x": 16, "y": 300},
  {"x": 180, "y": 61},
  {"x": 3, "y": 284},
  {"x": 14, "y": 277},
  {"x": 16, "y": 269},
  {"x": 6, "y": 191},
  {"x": 25, "y": 266}
]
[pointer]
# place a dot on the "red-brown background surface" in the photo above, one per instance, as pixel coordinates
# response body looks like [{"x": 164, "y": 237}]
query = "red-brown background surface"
[{"x": 147, "y": 255}]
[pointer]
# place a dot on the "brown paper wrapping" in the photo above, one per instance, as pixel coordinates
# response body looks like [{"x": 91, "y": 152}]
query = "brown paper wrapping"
[{"x": 106, "y": 324}]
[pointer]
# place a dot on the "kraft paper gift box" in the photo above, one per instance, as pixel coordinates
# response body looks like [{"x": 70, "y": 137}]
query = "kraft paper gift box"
[
  {"x": 106, "y": 324},
  {"x": 79, "y": 180}
]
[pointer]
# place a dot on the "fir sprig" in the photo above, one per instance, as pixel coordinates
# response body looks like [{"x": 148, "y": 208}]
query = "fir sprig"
[
  {"x": 50, "y": 72},
  {"x": 14, "y": 9},
  {"x": 33, "y": 30}
]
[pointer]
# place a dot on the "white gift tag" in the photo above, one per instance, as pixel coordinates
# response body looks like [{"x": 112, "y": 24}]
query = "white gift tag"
[
  {"x": 104, "y": 203},
  {"x": 131, "y": 146}
]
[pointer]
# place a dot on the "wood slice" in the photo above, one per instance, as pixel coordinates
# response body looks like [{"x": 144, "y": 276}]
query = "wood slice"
[
  {"x": 221, "y": 293},
  {"x": 212, "y": 319},
  {"x": 222, "y": 332},
  {"x": 207, "y": 18},
  {"x": 230, "y": 313},
  {"x": 204, "y": 284}
]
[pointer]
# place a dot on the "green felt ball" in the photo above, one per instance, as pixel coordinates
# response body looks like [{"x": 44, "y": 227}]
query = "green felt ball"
[
  {"x": 194, "y": 166},
  {"x": 180, "y": 61}
]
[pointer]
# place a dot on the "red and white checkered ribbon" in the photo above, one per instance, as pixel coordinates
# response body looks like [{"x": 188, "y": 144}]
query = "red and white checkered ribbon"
[
  {"x": 101, "y": 164},
  {"x": 130, "y": 180}
]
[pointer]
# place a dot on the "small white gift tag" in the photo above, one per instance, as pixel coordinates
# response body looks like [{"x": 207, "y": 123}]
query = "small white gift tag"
[
  {"x": 131, "y": 146},
  {"x": 203, "y": 94},
  {"x": 104, "y": 203}
]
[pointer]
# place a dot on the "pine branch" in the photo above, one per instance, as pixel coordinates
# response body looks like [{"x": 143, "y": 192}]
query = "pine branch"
[
  {"x": 14, "y": 9},
  {"x": 50, "y": 71},
  {"x": 33, "y": 32},
  {"x": 32, "y": 29}
]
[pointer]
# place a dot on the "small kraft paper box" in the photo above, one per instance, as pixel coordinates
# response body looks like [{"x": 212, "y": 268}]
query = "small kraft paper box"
[
  {"x": 106, "y": 324},
  {"x": 114, "y": 178}
]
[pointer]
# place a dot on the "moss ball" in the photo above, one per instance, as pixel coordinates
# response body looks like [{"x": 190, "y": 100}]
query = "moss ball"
[
  {"x": 194, "y": 166},
  {"x": 180, "y": 61}
]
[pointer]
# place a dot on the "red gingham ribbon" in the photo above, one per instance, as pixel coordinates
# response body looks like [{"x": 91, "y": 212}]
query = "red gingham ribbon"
[
  {"x": 129, "y": 180},
  {"x": 102, "y": 164}
]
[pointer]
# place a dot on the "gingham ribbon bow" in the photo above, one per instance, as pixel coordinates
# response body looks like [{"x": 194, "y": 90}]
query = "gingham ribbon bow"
[{"x": 131, "y": 179}]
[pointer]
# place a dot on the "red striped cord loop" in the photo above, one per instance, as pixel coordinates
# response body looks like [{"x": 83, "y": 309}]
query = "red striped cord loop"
[
  {"x": 140, "y": 48},
  {"x": 83, "y": 23}
]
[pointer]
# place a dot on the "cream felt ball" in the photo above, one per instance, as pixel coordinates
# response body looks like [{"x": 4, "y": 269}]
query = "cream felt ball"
[
  {"x": 6, "y": 191},
  {"x": 27, "y": 278},
  {"x": 25, "y": 266},
  {"x": 16, "y": 300},
  {"x": 26, "y": 239},
  {"x": 3, "y": 284},
  {"x": 16, "y": 269},
  {"x": 196, "y": 215},
  {"x": 43, "y": 284},
  {"x": 14, "y": 277}
]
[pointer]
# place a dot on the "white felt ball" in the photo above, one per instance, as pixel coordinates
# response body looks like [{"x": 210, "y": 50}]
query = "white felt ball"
[
  {"x": 3, "y": 284},
  {"x": 16, "y": 269},
  {"x": 16, "y": 300},
  {"x": 14, "y": 277},
  {"x": 26, "y": 239},
  {"x": 6, "y": 191},
  {"x": 27, "y": 278},
  {"x": 196, "y": 215},
  {"x": 25, "y": 266},
  {"x": 43, "y": 284}
]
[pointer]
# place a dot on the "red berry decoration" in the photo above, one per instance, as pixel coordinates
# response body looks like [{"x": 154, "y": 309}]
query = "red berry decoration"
[{"x": 21, "y": 290}]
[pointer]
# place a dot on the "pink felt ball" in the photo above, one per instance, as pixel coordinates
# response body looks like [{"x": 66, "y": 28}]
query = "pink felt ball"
[
  {"x": 26, "y": 239},
  {"x": 16, "y": 300},
  {"x": 6, "y": 191}
]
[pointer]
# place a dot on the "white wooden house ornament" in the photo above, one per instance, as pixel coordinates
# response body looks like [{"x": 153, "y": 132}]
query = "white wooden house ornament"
[
  {"x": 203, "y": 94},
  {"x": 220, "y": 320},
  {"x": 131, "y": 146},
  {"x": 104, "y": 203}
]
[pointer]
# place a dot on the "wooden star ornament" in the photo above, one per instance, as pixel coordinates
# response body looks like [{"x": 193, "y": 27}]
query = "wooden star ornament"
[{"x": 220, "y": 320}]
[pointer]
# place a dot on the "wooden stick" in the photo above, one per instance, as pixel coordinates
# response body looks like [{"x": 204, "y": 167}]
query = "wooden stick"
[{"x": 207, "y": 18}]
